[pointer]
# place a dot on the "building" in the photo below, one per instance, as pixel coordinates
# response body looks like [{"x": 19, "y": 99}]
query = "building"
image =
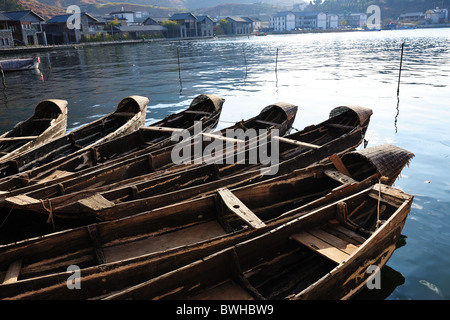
[
  {"x": 310, "y": 20},
  {"x": 127, "y": 16},
  {"x": 255, "y": 24},
  {"x": 26, "y": 27},
  {"x": 58, "y": 32},
  {"x": 6, "y": 37},
  {"x": 283, "y": 21},
  {"x": 142, "y": 31},
  {"x": 332, "y": 21},
  {"x": 436, "y": 16},
  {"x": 188, "y": 24},
  {"x": 353, "y": 20},
  {"x": 418, "y": 17},
  {"x": 205, "y": 26},
  {"x": 307, "y": 20},
  {"x": 238, "y": 25}
]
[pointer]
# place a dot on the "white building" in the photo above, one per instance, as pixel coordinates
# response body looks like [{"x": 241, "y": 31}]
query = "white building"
[
  {"x": 283, "y": 21},
  {"x": 437, "y": 16},
  {"x": 332, "y": 21},
  {"x": 353, "y": 20},
  {"x": 288, "y": 20}
]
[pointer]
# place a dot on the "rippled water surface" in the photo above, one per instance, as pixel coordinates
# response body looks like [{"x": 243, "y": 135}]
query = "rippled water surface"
[{"x": 315, "y": 71}]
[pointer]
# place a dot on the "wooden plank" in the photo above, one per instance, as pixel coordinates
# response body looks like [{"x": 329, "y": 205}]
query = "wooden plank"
[
  {"x": 240, "y": 209},
  {"x": 297, "y": 143},
  {"x": 96, "y": 203},
  {"x": 335, "y": 241},
  {"x": 22, "y": 200},
  {"x": 55, "y": 175},
  {"x": 205, "y": 113},
  {"x": 321, "y": 247},
  {"x": 336, "y": 229},
  {"x": 339, "y": 164},
  {"x": 13, "y": 272},
  {"x": 162, "y": 129},
  {"x": 338, "y": 176},
  {"x": 18, "y": 138},
  {"x": 216, "y": 136}
]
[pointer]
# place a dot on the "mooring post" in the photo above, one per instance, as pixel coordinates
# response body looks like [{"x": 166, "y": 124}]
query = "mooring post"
[
  {"x": 400, "y": 70},
  {"x": 179, "y": 69}
]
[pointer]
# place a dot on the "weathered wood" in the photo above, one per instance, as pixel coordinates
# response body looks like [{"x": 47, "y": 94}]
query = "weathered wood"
[
  {"x": 13, "y": 272},
  {"x": 55, "y": 175},
  {"x": 338, "y": 176},
  {"x": 297, "y": 143},
  {"x": 162, "y": 129},
  {"x": 219, "y": 137},
  {"x": 96, "y": 203},
  {"x": 321, "y": 247},
  {"x": 96, "y": 243},
  {"x": 18, "y": 138},
  {"x": 339, "y": 164},
  {"x": 22, "y": 200},
  {"x": 340, "y": 126},
  {"x": 236, "y": 206},
  {"x": 48, "y": 122}
]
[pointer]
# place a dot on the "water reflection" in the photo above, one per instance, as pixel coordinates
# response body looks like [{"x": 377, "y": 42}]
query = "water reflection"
[{"x": 317, "y": 72}]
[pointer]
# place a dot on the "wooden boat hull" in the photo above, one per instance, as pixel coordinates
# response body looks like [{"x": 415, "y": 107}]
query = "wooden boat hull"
[
  {"x": 146, "y": 162},
  {"x": 129, "y": 116},
  {"x": 48, "y": 122},
  {"x": 288, "y": 262},
  {"x": 292, "y": 155},
  {"x": 168, "y": 237},
  {"x": 19, "y": 64},
  {"x": 204, "y": 109}
]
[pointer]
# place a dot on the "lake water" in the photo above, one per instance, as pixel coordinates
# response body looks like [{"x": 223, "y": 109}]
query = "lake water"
[{"x": 315, "y": 71}]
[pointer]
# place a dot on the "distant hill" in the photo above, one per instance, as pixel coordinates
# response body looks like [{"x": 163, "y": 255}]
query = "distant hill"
[
  {"x": 390, "y": 9},
  {"x": 164, "y": 8}
]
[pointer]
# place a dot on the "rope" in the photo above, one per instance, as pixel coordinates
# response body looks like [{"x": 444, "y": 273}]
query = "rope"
[
  {"x": 378, "y": 206},
  {"x": 1, "y": 226},
  {"x": 50, "y": 212}
]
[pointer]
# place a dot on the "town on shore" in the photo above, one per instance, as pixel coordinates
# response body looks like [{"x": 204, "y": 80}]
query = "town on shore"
[{"x": 23, "y": 29}]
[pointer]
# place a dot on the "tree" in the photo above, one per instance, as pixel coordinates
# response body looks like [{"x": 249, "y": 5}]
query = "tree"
[
  {"x": 224, "y": 25},
  {"x": 173, "y": 28},
  {"x": 11, "y": 5}
]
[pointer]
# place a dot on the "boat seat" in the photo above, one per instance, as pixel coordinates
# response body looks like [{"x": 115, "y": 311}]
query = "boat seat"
[
  {"x": 13, "y": 272},
  {"x": 333, "y": 242}
]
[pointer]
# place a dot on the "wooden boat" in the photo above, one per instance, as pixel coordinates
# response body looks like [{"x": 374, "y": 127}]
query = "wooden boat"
[
  {"x": 19, "y": 64},
  {"x": 204, "y": 109},
  {"x": 129, "y": 116},
  {"x": 342, "y": 132},
  {"x": 48, "y": 122},
  {"x": 279, "y": 116},
  {"x": 123, "y": 252},
  {"x": 328, "y": 253}
]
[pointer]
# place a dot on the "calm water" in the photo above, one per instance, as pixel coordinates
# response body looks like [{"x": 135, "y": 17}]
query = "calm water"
[{"x": 315, "y": 71}]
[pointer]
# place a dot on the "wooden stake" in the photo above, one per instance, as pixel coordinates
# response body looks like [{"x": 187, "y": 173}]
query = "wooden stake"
[
  {"x": 179, "y": 69},
  {"x": 400, "y": 70}
]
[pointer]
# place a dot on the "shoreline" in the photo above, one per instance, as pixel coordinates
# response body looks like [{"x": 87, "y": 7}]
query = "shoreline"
[{"x": 41, "y": 48}]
